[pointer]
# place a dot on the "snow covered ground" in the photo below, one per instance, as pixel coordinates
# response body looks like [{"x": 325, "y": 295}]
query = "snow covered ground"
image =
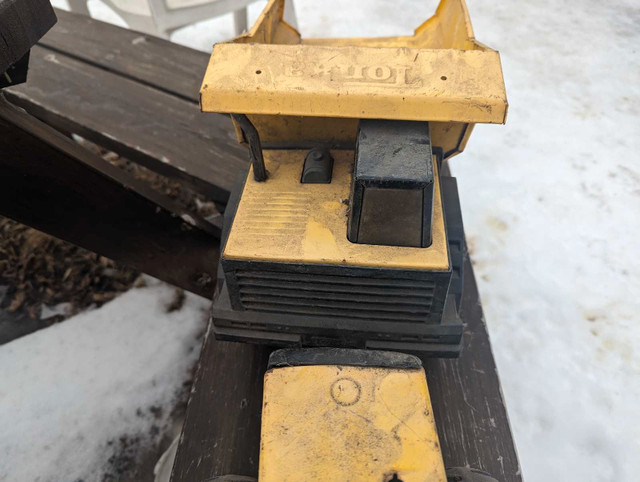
[
  {"x": 82, "y": 399},
  {"x": 552, "y": 208},
  {"x": 551, "y": 204}
]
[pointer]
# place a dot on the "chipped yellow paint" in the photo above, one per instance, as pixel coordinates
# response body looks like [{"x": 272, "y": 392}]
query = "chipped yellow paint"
[
  {"x": 356, "y": 82},
  {"x": 284, "y": 221},
  {"x": 312, "y": 91},
  {"x": 330, "y": 423}
]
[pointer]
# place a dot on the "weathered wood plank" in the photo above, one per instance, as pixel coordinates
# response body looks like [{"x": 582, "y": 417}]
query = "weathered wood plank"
[
  {"x": 51, "y": 183},
  {"x": 146, "y": 59},
  {"x": 22, "y": 23},
  {"x": 220, "y": 434},
  {"x": 160, "y": 131},
  {"x": 470, "y": 413},
  {"x": 466, "y": 396}
]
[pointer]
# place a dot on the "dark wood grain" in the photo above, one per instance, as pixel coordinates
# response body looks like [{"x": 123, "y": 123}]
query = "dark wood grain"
[
  {"x": 134, "y": 94},
  {"x": 221, "y": 432},
  {"x": 22, "y": 23},
  {"x": 160, "y": 131},
  {"x": 146, "y": 59},
  {"x": 467, "y": 402},
  {"x": 470, "y": 413},
  {"x": 51, "y": 183}
]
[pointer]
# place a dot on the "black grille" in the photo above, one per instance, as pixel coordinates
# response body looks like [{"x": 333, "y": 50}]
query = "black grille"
[{"x": 383, "y": 299}]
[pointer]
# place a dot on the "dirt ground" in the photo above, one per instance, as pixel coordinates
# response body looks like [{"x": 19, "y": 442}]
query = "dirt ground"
[{"x": 50, "y": 279}]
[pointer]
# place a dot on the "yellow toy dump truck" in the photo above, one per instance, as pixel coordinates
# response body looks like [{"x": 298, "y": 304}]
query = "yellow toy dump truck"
[{"x": 344, "y": 236}]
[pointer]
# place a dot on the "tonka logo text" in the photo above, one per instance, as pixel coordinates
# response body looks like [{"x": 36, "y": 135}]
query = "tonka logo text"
[{"x": 359, "y": 74}]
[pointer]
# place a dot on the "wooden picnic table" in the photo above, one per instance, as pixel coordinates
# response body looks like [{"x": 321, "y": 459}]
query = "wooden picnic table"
[{"x": 138, "y": 96}]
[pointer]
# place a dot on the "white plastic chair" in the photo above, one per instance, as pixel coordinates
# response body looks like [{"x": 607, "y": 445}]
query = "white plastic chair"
[{"x": 160, "y": 17}]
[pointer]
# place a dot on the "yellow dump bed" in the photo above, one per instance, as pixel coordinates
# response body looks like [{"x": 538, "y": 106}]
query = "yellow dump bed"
[
  {"x": 317, "y": 89},
  {"x": 356, "y": 82}
]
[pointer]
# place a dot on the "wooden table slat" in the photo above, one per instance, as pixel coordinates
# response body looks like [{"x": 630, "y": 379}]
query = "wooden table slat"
[
  {"x": 162, "y": 132},
  {"x": 53, "y": 184},
  {"x": 146, "y": 59},
  {"x": 470, "y": 412}
]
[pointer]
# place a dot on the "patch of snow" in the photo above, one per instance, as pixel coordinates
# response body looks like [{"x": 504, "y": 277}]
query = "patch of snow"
[
  {"x": 188, "y": 219},
  {"x": 76, "y": 395},
  {"x": 51, "y": 58},
  {"x": 139, "y": 40},
  {"x": 47, "y": 311},
  {"x": 162, "y": 469}
]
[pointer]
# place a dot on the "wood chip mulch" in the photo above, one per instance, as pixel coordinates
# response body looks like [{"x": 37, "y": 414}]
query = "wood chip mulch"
[{"x": 38, "y": 269}]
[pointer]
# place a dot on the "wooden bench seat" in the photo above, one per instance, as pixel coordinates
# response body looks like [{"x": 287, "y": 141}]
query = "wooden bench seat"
[{"x": 134, "y": 94}]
